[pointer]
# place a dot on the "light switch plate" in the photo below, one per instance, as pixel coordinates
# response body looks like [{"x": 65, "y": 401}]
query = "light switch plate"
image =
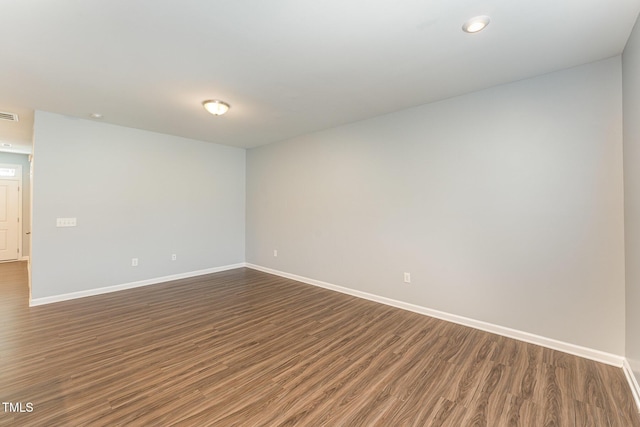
[{"x": 65, "y": 222}]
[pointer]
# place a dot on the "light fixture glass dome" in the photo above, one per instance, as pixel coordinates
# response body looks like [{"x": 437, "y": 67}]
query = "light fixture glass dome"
[
  {"x": 475, "y": 24},
  {"x": 216, "y": 107}
]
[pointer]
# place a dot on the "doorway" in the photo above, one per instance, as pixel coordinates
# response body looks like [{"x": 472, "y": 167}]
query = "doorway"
[{"x": 10, "y": 212}]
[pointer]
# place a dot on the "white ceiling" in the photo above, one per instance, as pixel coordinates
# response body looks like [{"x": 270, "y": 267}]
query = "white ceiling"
[{"x": 287, "y": 67}]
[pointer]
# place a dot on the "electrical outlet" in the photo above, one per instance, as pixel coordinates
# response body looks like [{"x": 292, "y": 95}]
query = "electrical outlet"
[
  {"x": 275, "y": 252},
  {"x": 134, "y": 262},
  {"x": 407, "y": 277},
  {"x": 174, "y": 257}
]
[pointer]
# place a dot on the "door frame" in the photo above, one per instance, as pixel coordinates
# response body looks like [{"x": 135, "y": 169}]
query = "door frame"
[{"x": 18, "y": 178}]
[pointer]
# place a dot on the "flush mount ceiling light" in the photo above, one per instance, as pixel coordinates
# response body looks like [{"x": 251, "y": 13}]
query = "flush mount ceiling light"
[
  {"x": 215, "y": 107},
  {"x": 475, "y": 24},
  {"x": 95, "y": 115}
]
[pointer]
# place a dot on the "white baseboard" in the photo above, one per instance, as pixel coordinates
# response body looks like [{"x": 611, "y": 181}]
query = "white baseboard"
[
  {"x": 91, "y": 292},
  {"x": 24, "y": 258},
  {"x": 633, "y": 383},
  {"x": 587, "y": 353},
  {"x": 13, "y": 260}
]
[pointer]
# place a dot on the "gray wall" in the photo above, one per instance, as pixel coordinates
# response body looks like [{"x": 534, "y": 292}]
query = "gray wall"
[
  {"x": 135, "y": 194},
  {"x": 505, "y": 205},
  {"x": 22, "y": 159},
  {"x": 631, "y": 96}
]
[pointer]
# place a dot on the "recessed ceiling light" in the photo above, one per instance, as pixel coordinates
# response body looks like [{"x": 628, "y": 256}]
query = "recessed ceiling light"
[
  {"x": 215, "y": 107},
  {"x": 95, "y": 115},
  {"x": 6, "y": 144},
  {"x": 475, "y": 24}
]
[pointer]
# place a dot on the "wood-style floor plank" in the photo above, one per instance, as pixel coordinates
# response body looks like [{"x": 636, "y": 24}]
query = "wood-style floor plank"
[{"x": 244, "y": 348}]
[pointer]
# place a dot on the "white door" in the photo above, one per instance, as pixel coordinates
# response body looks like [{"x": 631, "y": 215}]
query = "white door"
[{"x": 9, "y": 219}]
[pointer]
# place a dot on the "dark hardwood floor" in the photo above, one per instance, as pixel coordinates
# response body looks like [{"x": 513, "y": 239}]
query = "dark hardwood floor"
[{"x": 244, "y": 348}]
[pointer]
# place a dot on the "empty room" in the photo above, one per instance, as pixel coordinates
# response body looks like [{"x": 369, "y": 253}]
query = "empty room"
[{"x": 290, "y": 213}]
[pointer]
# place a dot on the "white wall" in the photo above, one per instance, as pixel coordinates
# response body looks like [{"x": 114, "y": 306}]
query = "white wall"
[
  {"x": 505, "y": 205},
  {"x": 23, "y": 160},
  {"x": 135, "y": 194},
  {"x": 631, "y": 95}
]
